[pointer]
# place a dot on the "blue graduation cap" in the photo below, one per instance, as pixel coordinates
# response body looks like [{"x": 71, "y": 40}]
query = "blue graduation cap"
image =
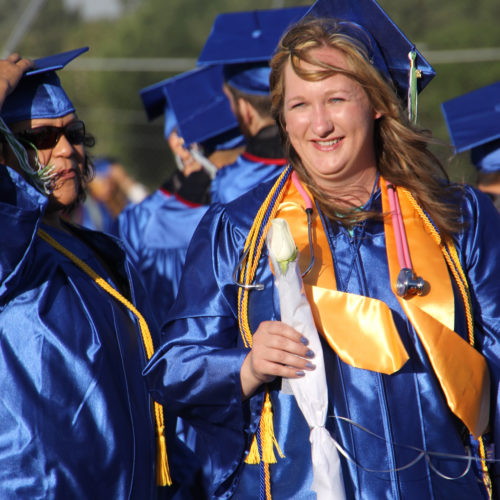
[
  {"x": 39, "y": 94},
  {"x": 244, "y": 42},
  {"x": 201, "y": 108},
  {"x": 473, "y": 122},
  {"x": 155, "y": 102},
  {"x": 369, "y": 23},
  {"x": 198, "y": 107}
]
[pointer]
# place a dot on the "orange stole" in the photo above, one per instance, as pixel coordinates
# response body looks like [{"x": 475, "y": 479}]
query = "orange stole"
[
  {"x": 347, "y": 321},
  {"x": 361, "y": 330},
  {"x": 461, "y": 370}
]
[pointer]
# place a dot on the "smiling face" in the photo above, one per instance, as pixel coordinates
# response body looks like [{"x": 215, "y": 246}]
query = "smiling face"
[
  {"x": 66, "y": 158},
  {"x": 330, "y": 125}
]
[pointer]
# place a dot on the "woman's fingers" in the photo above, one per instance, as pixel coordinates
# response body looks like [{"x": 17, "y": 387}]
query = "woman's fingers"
[
  {"x": 280, "y": 336},
  {"x": 278, "y": 351},
  {"x": 12, "y": 69}
]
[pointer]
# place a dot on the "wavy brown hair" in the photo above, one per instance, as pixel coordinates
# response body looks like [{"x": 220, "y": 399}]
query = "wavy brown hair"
[{"x": 401, "y": 149}]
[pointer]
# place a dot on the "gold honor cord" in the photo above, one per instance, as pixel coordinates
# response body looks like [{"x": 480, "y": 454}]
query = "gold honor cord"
[
  {"x": 162, "y": 472},
  {"x": 254, "y": 246},
  {"x": 455, "y": 266}
]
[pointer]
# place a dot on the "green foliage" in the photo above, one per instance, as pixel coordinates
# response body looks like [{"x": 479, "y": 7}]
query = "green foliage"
[{"x": 109, "y": 101}]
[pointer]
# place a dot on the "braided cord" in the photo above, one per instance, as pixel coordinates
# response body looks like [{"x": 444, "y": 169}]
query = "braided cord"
[
  {"x": 163, "y": 473},
  {"x": 261, "y": 449},
  {"x": 453, "y": 261},
  {"x": 253, "y": 245}
]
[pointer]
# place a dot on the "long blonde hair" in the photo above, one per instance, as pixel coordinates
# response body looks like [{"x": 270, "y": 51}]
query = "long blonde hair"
[{"x": 401, "y": 149}]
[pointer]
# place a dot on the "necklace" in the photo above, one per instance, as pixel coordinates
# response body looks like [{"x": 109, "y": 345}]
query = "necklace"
[{"x": 355, "y": 241}]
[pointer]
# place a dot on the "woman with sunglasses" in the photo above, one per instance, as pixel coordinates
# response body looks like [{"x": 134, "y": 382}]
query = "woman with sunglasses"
[
  {"x": 76, "y": 419},
  {"x": 403, "y": 287}
]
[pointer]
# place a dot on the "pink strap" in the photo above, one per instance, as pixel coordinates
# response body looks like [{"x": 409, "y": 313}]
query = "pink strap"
[
  {"x": 399, "y": 228},
  {"x": 301, "y": 190}
]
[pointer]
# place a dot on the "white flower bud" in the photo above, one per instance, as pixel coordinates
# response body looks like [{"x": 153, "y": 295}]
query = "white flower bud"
[{"x": 281, "y": 243}]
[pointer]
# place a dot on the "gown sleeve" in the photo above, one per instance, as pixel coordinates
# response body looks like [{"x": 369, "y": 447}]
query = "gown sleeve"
[
  {"x": 21, "y": 207},
  {"x": 480, "y": 253},
  {"x": 197, "y": 369}
]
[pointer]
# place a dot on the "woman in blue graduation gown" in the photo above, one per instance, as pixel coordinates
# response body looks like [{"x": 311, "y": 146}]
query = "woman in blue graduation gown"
[
  {"x": 76, "y": 419},
  {"x": 412, "y": 370}
]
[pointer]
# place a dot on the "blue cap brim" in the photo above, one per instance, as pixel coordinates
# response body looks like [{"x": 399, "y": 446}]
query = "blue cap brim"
[
  {"x": 154, "y": 99},
  {"x": 473, "y": 119},
  {"x": 40, "y": 94},
  {"x": 486, "y": 157},
  {"x": 199, "y": 104},
  {"x": 246, "y": 37},
  {"x": 55, "y": 62}
]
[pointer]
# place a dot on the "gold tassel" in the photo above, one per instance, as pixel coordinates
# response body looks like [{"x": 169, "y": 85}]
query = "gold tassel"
[
  {"x": 267, "y": 437},
  {"x": 162, "y": 470},
  {"x": 253, "y": 455}
]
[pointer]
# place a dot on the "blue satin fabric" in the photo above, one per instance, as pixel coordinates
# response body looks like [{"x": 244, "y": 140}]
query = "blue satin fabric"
[
  {"x": 94, "y": 214},
  {"x": 156, "y": 235},
  {"x": 75, "y": 413},
  {"x": 37, "y": 96},
  {"x": 240, "y": 177},
  {"x": 197, "y": 368}
]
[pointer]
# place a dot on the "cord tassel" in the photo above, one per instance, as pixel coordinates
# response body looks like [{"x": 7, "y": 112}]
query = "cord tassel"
[
  {"x": 267, "y": 438},
  {"x": 163, "y": 477},
  {"x": 253, "y": 456},
  {"x": 163, "y": 472}
]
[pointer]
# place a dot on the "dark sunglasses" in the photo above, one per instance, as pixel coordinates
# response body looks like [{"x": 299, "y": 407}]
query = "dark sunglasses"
[{"x": 46, "y": 137}]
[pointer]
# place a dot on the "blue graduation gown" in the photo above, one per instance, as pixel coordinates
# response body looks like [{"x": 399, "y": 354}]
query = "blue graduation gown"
[
  {"x": 247, "y": 172},
  {"x": 156, "y": 232},
  {"x": 156, "y": 235},
  {"x": 75, "y": 412},
  {"x": 93, "y": 214},
  {"x": 197, "y": 369}
]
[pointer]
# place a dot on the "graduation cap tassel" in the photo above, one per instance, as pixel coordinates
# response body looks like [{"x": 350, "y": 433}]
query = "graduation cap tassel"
[
  {"x": 412, "y": 87},
  {"x": 41, "y": 178}
]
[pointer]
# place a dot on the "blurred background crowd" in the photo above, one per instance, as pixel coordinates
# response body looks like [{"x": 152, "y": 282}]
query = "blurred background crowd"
[{"x": 135, "y": 43}]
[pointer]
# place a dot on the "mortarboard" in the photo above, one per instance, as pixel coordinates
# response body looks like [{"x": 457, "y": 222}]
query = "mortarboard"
[
  {"x": 155, "y": 102},
  {"x": 473, "y": 122},
  {"x": 39, "y": 93},
  {"x": 200, "y": 107},
  {"x": 195, "y": 104},
  {"x": 388, "y": 45},
  {"x": 244, "y": 42},
  {"x": 487, "y": 156}
]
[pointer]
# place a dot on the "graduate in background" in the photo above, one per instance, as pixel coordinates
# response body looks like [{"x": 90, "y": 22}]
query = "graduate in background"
[
  {"x": 400, "y": 268},
  {"x": 76, "y": 418},
  {"x": 474, "y": 124},
  {"x": 243, "y": 42},
  {"x": 199, "y": 127},
  {"x": 109, "y": 192}
]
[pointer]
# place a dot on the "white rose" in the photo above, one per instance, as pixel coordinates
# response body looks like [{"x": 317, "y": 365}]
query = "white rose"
[{"x": 281, "y": 243}]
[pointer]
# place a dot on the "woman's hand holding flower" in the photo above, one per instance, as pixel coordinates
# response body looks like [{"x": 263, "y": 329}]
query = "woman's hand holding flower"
[{"x": 278, "y": 351}]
